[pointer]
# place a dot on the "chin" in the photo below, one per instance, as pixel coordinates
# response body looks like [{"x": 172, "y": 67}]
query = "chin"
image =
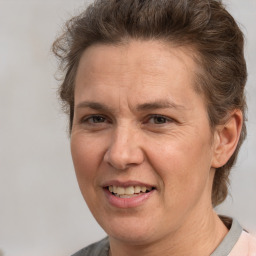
[
  {"x": 134, "y": 237},
  {"x": 130, "y": 230}
]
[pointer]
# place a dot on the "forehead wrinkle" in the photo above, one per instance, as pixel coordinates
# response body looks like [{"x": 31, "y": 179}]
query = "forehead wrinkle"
[
  {"x": 159, "y": 104},
  {"x": 127, "y": 74},
  {"x": 93, "y": 105}
]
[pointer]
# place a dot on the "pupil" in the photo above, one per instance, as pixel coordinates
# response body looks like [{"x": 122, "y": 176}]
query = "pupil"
[
  {"x": 160, "y": 119},
  {"x": 98, "y": 119}
]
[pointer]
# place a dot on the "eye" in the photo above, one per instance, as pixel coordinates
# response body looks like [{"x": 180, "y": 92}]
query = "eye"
[
  {"x": 94, "y": 119},
  {"x": 159, "y": 119}
]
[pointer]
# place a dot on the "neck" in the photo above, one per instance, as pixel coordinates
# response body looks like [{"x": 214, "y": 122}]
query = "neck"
[{"x": 198, "y": 238}]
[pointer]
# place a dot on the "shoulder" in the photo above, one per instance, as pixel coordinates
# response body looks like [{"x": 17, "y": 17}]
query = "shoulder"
[
  {"x": 237, "y": 242},
  {"x": 100, "y": 248},
  {"x": 246, "y": 245}
]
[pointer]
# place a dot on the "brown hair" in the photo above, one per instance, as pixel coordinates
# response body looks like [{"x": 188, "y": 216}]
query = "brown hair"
[{"x": 204, "y": 25}]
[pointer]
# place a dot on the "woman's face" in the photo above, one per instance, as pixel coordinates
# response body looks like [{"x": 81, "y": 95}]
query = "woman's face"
[{"x": 139, "y": 125}]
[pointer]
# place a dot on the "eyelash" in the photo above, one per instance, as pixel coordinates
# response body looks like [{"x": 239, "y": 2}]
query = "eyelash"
[
  {"x": 93, "y": 117},
  {"x": 160, "y": 118}
]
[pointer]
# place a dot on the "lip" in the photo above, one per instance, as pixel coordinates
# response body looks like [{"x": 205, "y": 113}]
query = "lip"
[
  {"x": 131, "y": 202},
  {"x": 125, "y": 203},
  {"x": 126, "y": 184}
]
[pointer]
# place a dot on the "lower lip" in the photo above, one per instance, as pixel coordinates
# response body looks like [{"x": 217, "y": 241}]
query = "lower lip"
[{"x": 127, "y": 202}]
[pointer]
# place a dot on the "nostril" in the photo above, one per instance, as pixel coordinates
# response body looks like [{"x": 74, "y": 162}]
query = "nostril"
[{"x": 123, "y": 152}]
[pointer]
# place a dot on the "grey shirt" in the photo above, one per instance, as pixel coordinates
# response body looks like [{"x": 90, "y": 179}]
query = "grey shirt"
[{"x": 101, "y": 248}]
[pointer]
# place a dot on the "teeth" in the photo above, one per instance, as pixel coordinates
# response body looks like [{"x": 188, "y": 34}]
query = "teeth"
[
  {"x": 143, "y": 189},
  {"x": 120, "y": 190},
  {"x": 131, "y": 190},
  {"x": 137, "y": 189},
  {"x": 115, "y": 189}
]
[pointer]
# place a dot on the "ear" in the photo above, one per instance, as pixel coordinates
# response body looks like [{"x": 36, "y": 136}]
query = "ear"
[{"x": 226, "y": 137}]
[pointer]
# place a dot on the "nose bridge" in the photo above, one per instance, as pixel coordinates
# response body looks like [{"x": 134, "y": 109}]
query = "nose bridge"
[{"x": 124, "y": 149}]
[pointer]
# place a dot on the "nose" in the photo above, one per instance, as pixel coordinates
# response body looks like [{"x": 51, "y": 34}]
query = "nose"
[{"x": 124, "y": 150}]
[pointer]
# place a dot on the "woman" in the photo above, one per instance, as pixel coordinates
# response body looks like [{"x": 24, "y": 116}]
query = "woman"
[{"x": 155, "y": 94}]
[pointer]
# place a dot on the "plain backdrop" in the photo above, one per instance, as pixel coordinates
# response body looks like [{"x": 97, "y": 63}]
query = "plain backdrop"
[{"x": 41, "y": 210}]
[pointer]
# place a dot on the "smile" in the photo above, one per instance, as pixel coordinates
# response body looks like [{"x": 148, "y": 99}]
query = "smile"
[{"x": 128, "y": 192}]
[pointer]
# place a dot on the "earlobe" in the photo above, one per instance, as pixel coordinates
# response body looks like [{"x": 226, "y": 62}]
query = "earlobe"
[{"x": 226, "y": 138}]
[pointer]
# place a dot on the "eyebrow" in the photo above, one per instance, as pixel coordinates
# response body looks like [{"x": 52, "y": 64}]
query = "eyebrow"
[
  {"x": 93, "y": 105},
  {"x": 161, "y": 104}
]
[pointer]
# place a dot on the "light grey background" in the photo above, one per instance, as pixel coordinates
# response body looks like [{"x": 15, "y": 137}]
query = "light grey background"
[{"x": 41, "y": 210}]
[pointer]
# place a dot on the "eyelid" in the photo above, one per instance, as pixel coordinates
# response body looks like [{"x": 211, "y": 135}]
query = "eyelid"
[
  {"x": 86, "y": 118},
  {"x": 168, "y": 119}
]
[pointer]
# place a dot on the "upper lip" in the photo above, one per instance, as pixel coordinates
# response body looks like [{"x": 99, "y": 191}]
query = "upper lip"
[{"x": 128, "y": 183}]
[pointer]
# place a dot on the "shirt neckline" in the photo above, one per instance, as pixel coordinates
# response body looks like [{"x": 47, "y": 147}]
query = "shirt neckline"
[{"x": 229, "y": 241}]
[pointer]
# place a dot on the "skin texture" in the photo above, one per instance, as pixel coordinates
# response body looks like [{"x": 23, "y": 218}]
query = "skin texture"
[{"x": 116, "y": 135}]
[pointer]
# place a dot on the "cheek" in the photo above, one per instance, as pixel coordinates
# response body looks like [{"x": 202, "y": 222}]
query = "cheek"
[
  {"x": 184, "y": 169},
  {"x": 86, "y": 155}
]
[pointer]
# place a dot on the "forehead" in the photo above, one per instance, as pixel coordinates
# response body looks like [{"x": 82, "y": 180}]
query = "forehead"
[
  {"x": 138, "y": 68},
  {"x": 150, "y": 56}
]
